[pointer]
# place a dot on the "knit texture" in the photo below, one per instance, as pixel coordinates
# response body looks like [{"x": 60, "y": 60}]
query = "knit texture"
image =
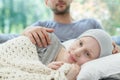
[{"x": 19, "y": 61}]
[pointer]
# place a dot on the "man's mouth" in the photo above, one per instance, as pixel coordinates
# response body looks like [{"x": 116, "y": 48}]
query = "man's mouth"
[{"x": 60, "y": 3}]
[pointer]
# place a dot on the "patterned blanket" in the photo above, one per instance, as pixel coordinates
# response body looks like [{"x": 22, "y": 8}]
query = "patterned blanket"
[{"x": 19, "y": 61}]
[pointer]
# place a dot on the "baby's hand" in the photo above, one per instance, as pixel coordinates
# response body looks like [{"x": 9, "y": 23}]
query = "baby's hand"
[
  {"x": 73, "y": 72},
  {"x": 55, "y": 65}
]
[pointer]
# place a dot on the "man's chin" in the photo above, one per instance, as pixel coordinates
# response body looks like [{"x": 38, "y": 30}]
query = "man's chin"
[{"x": 61, "y": 12}]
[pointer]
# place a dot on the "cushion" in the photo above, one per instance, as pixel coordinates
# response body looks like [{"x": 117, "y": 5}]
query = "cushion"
[
  {"x": 100, "y": 68},
  {"x": 68, "y": 43}
]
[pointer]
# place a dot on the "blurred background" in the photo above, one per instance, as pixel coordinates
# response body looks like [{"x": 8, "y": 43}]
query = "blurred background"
[{"x": 15, "y": 15}]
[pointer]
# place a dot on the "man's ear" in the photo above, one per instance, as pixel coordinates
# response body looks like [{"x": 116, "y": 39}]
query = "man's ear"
[
  {"x": 71, "y": 1},
  {"x": 46, "y": 2}
]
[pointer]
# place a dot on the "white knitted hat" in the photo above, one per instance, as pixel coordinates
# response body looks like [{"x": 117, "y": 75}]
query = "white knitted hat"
[{"x": 103, "y": 38}]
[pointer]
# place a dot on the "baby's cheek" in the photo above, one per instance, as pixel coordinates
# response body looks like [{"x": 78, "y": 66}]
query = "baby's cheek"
[
  {"x": 82, "y": 61},
  {"x": 54, "y": 1}
]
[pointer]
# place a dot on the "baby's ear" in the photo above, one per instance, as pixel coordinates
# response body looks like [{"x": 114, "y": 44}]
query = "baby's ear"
[{"x": 65, "y": 68}]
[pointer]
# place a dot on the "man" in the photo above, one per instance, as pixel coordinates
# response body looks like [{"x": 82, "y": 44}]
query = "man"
[{"x": 62, "y": 24}]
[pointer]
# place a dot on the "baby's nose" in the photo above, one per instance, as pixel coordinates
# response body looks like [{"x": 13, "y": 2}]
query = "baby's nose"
[{"x": 78, "y": 52}]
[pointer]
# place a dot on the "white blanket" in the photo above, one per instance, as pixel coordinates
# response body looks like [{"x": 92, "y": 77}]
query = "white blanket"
[{"x": 19, "y": 61}]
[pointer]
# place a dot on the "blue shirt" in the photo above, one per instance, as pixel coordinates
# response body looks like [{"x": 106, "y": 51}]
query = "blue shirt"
[
  {"x": 70, "y": 31},
  {"x": 64, "y": 32}
]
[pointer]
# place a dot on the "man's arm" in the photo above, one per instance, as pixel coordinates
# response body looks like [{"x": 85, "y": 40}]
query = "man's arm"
[{"x": 6, "y": 37}]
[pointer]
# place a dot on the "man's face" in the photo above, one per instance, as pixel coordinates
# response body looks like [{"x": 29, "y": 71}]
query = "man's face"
[{"x": 59, "y": 6}]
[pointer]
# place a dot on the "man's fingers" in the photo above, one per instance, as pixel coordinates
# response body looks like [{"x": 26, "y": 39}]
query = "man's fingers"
[
  {"x": 49, "y": 30},
  {"x": 30, "y": 36},
  {"x": 47, "y": 38},
  {"x": 42, "y": 39},
  {"x": 37, "y": 39},
  {"x": 116, "y": 48},
  {"x": 38, "y": 35}
]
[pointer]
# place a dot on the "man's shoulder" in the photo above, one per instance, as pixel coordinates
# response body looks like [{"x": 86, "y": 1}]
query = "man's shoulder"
[
  {"x": 43, "y": 23},
  {"x": 88, "y": 20}
]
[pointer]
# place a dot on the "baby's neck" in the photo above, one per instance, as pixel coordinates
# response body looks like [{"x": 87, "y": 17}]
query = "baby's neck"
[{"x": 60, "y": 54}]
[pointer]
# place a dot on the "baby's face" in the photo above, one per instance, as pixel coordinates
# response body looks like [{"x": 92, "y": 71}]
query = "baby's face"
[{"x": 83, "y": 50}]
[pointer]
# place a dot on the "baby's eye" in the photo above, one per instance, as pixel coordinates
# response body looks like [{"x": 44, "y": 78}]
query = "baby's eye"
[
  {"x": 81, "y": 44},
  {"x": 87, "y": 54}
]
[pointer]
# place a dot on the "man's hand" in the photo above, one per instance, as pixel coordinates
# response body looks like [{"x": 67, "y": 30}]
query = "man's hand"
[
  {"x": 116, "y": 48},
  {"x": 74, "y": 71},
  {"x": 38, "y": 35}
]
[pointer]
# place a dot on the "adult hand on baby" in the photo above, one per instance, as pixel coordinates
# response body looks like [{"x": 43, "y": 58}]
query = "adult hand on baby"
[
  {"x": 55, "y": 65},
  {"x": 74, "y": 71},
  {"x": 38, "y": 35}
]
